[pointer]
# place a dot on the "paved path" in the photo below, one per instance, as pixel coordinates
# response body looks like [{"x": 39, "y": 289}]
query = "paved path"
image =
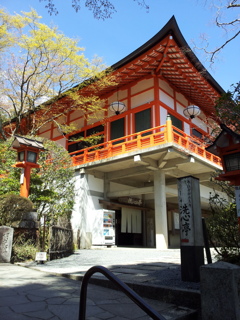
[{"x": 27, "y": 293}]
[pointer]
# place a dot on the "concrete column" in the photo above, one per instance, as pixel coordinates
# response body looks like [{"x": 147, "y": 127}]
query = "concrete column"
[
  {"x": 106, "y": 187},
  {"x": 160, "y": 210}
]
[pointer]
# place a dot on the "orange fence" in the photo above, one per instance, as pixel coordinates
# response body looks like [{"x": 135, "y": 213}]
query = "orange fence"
[{"x": 145, "y": 139}]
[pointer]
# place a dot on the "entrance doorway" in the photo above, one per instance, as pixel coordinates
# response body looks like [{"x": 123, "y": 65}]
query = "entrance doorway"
[{"x": 129, "y": 227}]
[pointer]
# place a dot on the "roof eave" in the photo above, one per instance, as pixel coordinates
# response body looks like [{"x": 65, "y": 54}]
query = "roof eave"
[{"x": 170, "y": 28}]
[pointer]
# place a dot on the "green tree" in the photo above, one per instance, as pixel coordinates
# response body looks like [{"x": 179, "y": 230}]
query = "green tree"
[
  {"x": 40, "y": 73},
  {"x": 51, "y": 186},
  {"x": 223, "y": 227},
  {"x": 228, "y": 108}
]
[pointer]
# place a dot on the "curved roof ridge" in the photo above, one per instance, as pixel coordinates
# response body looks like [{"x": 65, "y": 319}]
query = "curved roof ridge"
[{"x": 172, "y": 28}]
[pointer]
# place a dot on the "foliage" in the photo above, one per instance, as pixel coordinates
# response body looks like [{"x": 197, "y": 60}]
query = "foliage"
[
  {"x": 223, "y": 228},
  {"x": 9, "y": 176},
  {"x": 41, "y": 70},
  {"x": 228, "y": 108},
  {"x": 223, "y": 224},
  {"x": 227, "y": 111},
  {"x": 101, "y": 9},
  {"x": 51, "y": 186},
  {"x": 23, "y": 250},
  {"x": 12, "y": 208}
]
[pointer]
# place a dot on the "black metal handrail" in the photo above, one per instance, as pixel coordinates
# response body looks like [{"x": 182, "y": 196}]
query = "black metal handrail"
[{"x": 121, "y": 285}]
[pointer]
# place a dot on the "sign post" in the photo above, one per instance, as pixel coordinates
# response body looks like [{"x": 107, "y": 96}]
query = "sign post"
[
  {"x": 191, "y": 233},
  {"x": 237, "y": 196}
]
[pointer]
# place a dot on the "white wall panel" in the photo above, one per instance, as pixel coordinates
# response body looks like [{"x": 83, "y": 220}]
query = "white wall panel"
[{"x": 165, "y": 98}]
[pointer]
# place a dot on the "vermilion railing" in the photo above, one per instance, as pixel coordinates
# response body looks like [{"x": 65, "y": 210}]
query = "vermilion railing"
[{"x": 145, "y": 139}]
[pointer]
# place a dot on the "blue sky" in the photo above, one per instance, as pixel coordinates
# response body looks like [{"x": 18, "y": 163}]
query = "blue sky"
[{"x": 131, "y": 26}]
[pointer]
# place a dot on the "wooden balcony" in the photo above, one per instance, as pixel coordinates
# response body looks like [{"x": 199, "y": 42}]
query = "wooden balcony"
[{"x": 157, "y": 136}]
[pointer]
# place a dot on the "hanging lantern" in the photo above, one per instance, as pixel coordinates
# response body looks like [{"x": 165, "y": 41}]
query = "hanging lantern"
[
  {"x": 191, "y": 111},
  {"x": 117, "y": 107}
]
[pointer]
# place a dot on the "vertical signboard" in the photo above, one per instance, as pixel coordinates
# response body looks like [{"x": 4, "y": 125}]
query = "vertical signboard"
[
  {"x": 237, "y": 195},
  {"x": 191, "y": 234}
]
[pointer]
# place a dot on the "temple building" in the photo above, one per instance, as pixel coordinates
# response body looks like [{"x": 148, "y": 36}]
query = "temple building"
[{"x": 154, "y": 122}]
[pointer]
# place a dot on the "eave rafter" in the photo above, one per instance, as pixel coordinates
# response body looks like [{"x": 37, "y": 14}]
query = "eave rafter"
[{"x": 168, "y": 56}]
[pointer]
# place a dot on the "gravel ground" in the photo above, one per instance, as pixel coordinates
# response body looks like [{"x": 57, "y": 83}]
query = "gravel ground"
[
  {"x": 171, "y": 277},
  {"x": 158, "y": 267}
]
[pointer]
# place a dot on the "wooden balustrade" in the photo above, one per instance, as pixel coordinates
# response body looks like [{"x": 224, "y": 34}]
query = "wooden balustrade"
[{"x": 141, "y": 140}]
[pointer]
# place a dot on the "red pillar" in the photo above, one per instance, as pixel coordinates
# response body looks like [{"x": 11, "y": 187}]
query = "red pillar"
[{"x": 25, "y": 186}]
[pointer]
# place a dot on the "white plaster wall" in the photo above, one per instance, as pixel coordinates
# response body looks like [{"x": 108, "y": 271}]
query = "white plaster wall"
[
  {"x": 95, "y": 184},
  {"x": 56, "y": 133},
  {"x": 142, "y": 85},
  {"x": 79, "y": 123},
  {"x": 62, "y": 142},
  {"x": 142, "y": 98},
  {"x": 205, "y": 192},
  {"x": 166, "y": 87},
  {"x": 81, "y": 214},
  {"x": 186, "y": 128},
  {"x": 118, "y": 95},
  {"x": 118, "y": 187},
  {"x": 199, "y": 123},
  {"x": 166, "y": 99},
  {"x": 95, "y": 116},
  {"x": 163, "y": 115},
  {"x": 45, "y": 127},
  {"x": 46, "y": 134},
  {"x": 88, "y": 192},
  {"x": 180, "y": 109},
  {"x": 180, "y": 97}
]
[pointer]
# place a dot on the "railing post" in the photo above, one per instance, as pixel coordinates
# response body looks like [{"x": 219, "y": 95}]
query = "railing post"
[
  {"x": 85, "y": 156},
  {"x": 110, "y": 149},
  {"x": 96, "y": 155},
  {"x": 169, "y": 129},
  {"x": 124, "y": 147},
  {"x": 139, "y": 141},
  {"x": 152, "y": 140}
]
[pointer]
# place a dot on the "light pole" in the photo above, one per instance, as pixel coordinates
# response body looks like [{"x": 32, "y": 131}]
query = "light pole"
[{"x": 28, "y": 152}]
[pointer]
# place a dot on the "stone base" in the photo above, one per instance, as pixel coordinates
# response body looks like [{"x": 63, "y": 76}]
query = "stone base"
[{"x": 220, "y": 284}]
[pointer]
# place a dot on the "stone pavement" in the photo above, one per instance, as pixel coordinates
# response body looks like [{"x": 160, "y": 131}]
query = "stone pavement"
[{"x": 27, "y": 293}]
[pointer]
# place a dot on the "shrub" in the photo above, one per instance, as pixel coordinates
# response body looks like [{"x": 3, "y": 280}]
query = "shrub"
[
  {"x": 223, "y": 229},
  {"x": 12, "y": 208},
  {"x": 23, "y": 252}
]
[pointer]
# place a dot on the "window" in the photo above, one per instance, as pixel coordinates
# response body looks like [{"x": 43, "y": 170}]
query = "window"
[
  {"x": 117, "y": 130},
  {"x": 94, "y": 130},
  {"x": 74, "y": 145},
  {"x": 232, "y": 161},
  {"x": 197, "y": 134},
  {"x": 176, "y": 122},
  {"x": 143, "y": 120}
]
